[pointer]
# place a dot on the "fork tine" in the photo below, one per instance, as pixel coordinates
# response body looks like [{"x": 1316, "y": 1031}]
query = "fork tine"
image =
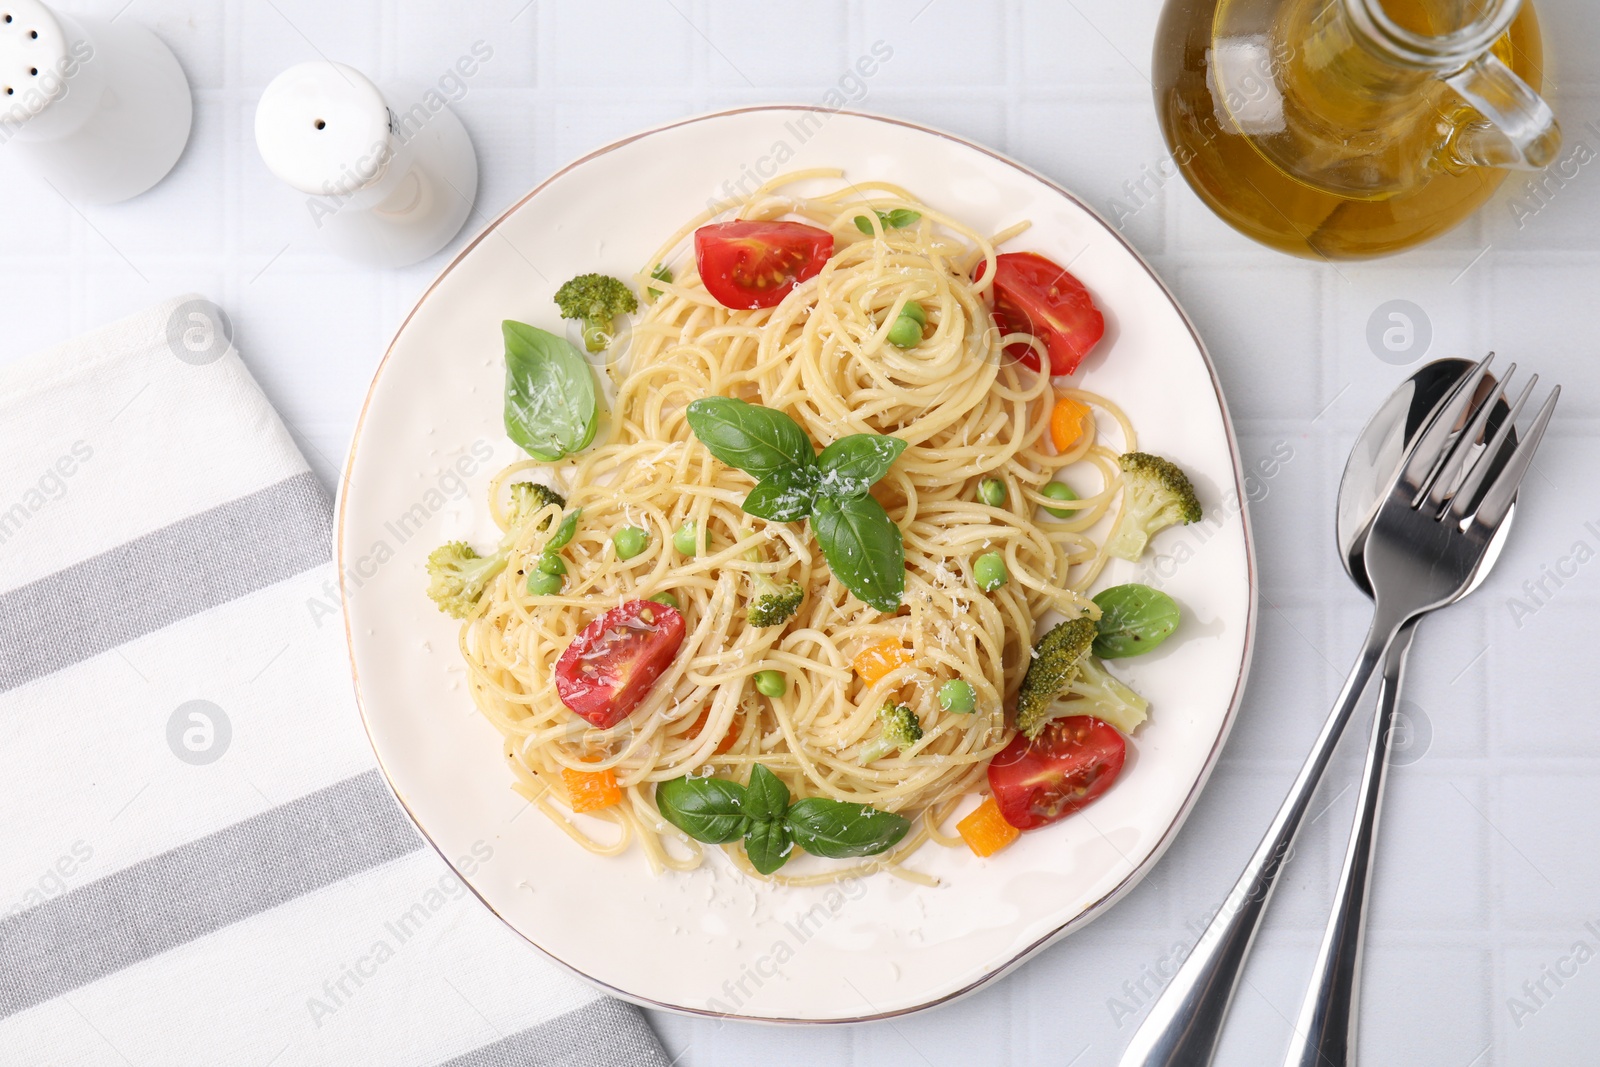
[
  {"x": 1497, "y": 501},
  {"x": 1430, "y": 447},
  {"x": 1480, "y": 469},
  {"x": 1450, "y": 471}
]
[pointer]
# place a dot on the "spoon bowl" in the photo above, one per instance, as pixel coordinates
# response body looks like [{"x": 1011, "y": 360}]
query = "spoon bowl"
[{"x": 1382, "y": 447}]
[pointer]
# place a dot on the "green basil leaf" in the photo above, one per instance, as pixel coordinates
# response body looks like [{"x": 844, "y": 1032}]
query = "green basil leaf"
[
  {"x": 863, "y": 548},
  {"x": 766, "y": 797},
  {"x": 768, "y": 844},
  {"x": 1134, "y": 619},
  {"x": 563, "y": 535},
  {"x": 784, "y": 495},
  {"x": 838, "y": 830},
  {"x": 897, "y": 219},
  {"x": 707, "y": 809},
  {"x": 852, "y": 465},
  {"x": 757, "y": 440},
  {"x": 551, "y": 410}
]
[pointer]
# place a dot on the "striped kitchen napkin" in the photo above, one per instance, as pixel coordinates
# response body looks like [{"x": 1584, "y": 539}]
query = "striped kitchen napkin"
[{"x": 201, "y": 864}]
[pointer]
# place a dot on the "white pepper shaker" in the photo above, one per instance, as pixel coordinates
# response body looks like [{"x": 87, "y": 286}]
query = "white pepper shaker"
[
  {"x": 387, "y": 184},
  {"x": 101, "y": 110}
]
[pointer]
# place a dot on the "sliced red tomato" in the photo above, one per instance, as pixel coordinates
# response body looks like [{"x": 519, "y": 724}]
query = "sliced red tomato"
[
  {"x": 749, "y": 265},
  {"x": 1035, "y": 296},
  {"x": 1070, "y": 763},
  {"x": 611, "y": 665}
]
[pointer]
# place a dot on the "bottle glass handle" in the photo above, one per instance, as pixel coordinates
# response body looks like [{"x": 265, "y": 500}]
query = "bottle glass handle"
[{"x": 1520, "y": 131}]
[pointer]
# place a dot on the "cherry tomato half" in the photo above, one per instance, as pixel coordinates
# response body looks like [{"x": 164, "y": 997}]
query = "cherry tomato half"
[
  {"x": 1070, "y": 763},
  {"x": 1033, "y": 295},
  {"x": 749, "y": 265},
  {"x": 611, "y": 665}
]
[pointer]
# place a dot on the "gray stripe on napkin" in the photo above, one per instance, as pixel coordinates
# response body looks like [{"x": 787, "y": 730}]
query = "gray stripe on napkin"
[
  {"x": 167, "y": 575},
  {"x": 196, "y": 889},
  {"x": 606, "y": 1033}
]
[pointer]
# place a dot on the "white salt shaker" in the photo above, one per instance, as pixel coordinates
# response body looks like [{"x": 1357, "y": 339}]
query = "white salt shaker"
[
  {"x": 386, "y": 184},
  {"x": 101, "y": 110}
]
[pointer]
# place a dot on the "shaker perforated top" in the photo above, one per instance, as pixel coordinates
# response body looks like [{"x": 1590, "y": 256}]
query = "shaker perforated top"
[
  {"x": 33, "y": 54},
  {"x": 323, "y": 128}
]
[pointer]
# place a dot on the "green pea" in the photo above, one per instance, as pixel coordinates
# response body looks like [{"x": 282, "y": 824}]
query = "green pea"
[
  {"x": 913, "y": 310},
  {"x": 630, "y": 541},
  {"x": 669, "y": 600},
  {"x": 906, "y": 332},
  {"x": 563, "y": 535},
  {"x": 1060, "y": 491},
  {"x": 992, "y": 491},
  {"x": 989, "y": 571},
  {"x": 771, "y": 683},
  {"x": 550, "y": 563},
  {"x": 540, "y": 584},
  {"x": 958, "y": 697},
  {"x": 660, "y": 274},
  {"x": 685, "y": 537}
]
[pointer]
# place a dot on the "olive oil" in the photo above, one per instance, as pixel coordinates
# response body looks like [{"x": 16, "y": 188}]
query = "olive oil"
[{"x": 1301, "y": 136}]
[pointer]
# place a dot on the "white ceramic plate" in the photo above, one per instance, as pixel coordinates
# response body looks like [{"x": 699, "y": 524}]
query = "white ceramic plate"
[{"x": 712, "y": 941}]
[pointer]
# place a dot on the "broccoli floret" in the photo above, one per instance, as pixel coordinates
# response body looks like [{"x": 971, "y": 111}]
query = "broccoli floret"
[
  {"x": 898, "y": 728},
  {"x": 597, "y": 299},
  {"x": 529, "y": 497},
  {"x": 774, "y": 604},
  {"x": 457, "y": 575},
  {"x": 1064, "y": 679},
  {"x": 1155, "y": 494},
  {"x": 1056, "y": 659},
  {"x": 1095, "y": 692},
  {"x": 771, "y": 603}
]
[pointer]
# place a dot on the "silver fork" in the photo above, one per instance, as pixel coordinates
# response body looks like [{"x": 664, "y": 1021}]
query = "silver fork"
[{"x": 1423, "y": 551}]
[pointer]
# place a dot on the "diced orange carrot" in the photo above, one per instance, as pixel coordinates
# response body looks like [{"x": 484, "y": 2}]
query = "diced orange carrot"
[
  {"x": 1066, "y": 423},
  {"x": 735, "y": 728},
  {"x": 591, "y": 790},
  {"x": 877, "y": 660},
  {"x": 986, "y": 831}
]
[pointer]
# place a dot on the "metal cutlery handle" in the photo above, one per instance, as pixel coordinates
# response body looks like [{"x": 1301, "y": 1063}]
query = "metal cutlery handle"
[
  {"x": 1186, "y": 1020},
  {"x": 1325, "y": 1033}
]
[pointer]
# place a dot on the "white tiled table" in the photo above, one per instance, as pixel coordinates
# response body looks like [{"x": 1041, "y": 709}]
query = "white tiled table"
[{"x": 1489, "y": 864}]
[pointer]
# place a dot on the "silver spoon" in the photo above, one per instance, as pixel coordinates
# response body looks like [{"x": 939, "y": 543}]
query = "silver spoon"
[{"x": 1325, "y": 1032}]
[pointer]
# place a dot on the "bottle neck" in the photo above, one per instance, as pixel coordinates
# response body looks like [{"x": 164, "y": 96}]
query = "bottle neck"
[{"x": 1432, "y": 35}]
